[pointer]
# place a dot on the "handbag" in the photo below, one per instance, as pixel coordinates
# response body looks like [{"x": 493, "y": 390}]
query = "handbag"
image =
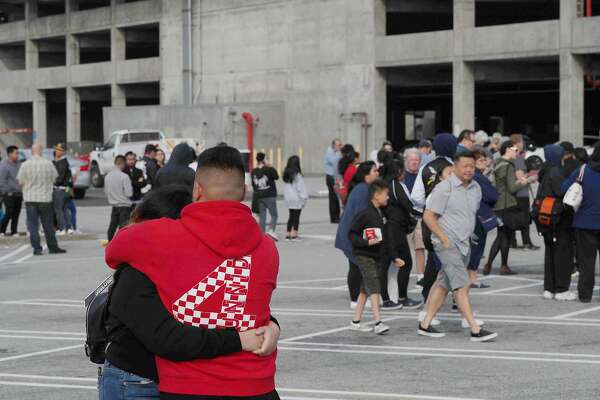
[
  {"x": 515, "y": 219},
  {"x": 574, "y": 195}
]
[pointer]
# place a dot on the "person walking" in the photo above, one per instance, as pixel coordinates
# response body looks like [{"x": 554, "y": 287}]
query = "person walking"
[
  {"x": 450, "y": 214},
  {"x": 136, "y": 176},
  {"x": 358, "y": 201},
  {"x": 558, "y": 243},
  {"x": 160, "y": 159},
  {"x": 506, "y": 207},
  {"x": 36, "y": 177},
  {"x": 522, "y": 195},
  {"x": 263, "y": 179},
  {"x": 332, "y": 158},
  {"x": 118, "y": 189},
  {"x": 219, "y": 248},
  {"x": 295, "y": 195},
  {"x": 63, "y": 187},
  {"x": 486, "y": 218},
  {"x": 587, "y": 223},
  {"x": 10, "y": 191},
  {"x": 412, "y": 163},
  {"x": 177, "y": 171}
]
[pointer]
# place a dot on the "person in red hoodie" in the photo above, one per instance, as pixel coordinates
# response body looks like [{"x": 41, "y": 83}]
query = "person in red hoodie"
[{"x": 213, "y": 268}]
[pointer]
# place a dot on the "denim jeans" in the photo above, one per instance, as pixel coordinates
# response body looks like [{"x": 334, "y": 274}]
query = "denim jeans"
[
  {"x": 116, "y": 384},
  {"x": 60, "y": 199},
  {"x": 264, "y": 205},
  {"x": 35, "y": 213}
]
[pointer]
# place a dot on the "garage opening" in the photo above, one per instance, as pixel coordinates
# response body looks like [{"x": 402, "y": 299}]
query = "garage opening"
[
  {"x": 502, "y": 12},
  {"x": 12, "y": 56},
  {"x": 93, "y": 99},
  {"x": 90, "y": 4},
  {"x": 50, "y": 7},
  {"x": 416, "y": 16},
  {"x": 12, "y": 11},
  {"x": 592, "y": 99},
  {"x": 56, "y": 116},
  {"x": 142, "y": 41},
  {"x": 52, "y": 52},
  {"x": 94, "y": 47},
  {"x": 142, "y": 94}
]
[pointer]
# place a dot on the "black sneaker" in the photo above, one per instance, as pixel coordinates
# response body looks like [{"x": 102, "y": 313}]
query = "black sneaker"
[
  {"x": 57, "y": 250},
  {"x": 38, "y": 252},
  {"x": 454, "y": 307},
  {"x": 483, "y": 336},
  {"x": 411, "y": 304},
  {"x": 430, "y": 332},
  {"x": 389, "y": 305}
]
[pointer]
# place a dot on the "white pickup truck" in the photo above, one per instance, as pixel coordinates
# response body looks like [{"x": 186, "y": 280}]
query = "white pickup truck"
[{"x": 123, "y": 141}]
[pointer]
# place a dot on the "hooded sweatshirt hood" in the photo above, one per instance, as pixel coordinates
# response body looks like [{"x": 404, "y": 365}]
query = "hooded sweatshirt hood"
[
  {"x": 554, "y": 154},
  {"x": 445, "y": 144},
  {"x": 177, "y": 170},
  {"x": 181, "y": 155}
]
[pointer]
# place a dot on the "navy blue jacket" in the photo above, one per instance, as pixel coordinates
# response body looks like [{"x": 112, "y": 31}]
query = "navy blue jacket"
[
  {"x": 489, "y": 196},
  {"x": 588, "y": 215},
  {"x": 358, "y": 201}
]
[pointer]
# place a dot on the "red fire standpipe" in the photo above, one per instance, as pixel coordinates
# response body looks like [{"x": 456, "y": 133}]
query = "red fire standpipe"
[
  {"x": 588, "y": 11},
  {"x": 250, "y": 127}
]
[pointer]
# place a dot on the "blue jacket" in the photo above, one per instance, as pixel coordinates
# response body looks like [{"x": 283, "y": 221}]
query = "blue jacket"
[
  {"x": 358, "y": 201},
  {"x": 489, "y": 196},
  {"x": 588, "y": 215}
]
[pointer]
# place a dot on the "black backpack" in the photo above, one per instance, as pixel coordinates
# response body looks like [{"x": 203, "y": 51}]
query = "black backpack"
[
  {"x": 431, "y": 175},
  {"x": 96, "y": 311}
]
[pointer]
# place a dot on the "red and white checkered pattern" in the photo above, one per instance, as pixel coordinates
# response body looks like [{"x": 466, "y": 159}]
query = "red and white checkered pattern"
[{"x": 235, "y": 276}]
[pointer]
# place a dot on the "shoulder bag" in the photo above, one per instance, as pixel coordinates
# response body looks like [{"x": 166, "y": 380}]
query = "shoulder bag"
[{"x": 574, "y": 195}]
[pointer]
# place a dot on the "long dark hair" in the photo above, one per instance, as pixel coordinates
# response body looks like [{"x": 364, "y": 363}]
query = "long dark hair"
[
  {"x": 348, "y": 157},
  {"x": 364, "y": 169},
  {"x": 394, "y": 170},
  {"x": 164, "y": 202},
  {"x": 292, "y": 169},
  {"x": 386, "y": 168}
]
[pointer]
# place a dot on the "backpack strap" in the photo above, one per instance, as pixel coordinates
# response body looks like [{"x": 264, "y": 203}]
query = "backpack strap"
[{"x": 581, "y": 173}]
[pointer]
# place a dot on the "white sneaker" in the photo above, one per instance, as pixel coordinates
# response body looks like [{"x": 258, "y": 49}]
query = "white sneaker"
[
  {"x": 360, "y": 328},
  {"x": 566, "y": 296},
  {"x": 575, "y": 274},
  {"x": 70, "y": 231},
  {"x": 61, "y": 233},
  {"x": 423, "y": 314},
  {"x": 465, "y": 324},
  {"x": 381, "y": 329},
  {"x": 548, "y": 295},
  {"x": 273, "y": 235}
]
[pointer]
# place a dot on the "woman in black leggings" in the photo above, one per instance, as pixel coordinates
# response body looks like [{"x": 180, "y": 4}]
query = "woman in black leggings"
[
  {"x": 507, "y": 186},
  {"x": 295, "y": 195}
]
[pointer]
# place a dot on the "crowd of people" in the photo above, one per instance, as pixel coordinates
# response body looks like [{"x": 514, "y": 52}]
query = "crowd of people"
[{"x": 439, "y": 201}]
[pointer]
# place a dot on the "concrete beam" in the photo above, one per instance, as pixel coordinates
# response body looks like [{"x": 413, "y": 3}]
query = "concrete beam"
[
  {"x": 40, "y": 118},
  {"x": 73, "y": 115},
  {"x": 414, "y": 49},
  {"x": 117, "y": 44},
  {"x": 32, "y": 57},
  {"x": 31, "y": 10},
  {"x": 72, "y": 50}
]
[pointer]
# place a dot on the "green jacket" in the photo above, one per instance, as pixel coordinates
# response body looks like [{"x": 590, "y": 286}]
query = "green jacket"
[{"x": 506, "y": 184}]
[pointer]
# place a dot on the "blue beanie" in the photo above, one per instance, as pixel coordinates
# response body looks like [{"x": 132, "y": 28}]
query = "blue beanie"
[{"x": 445, "y": 144}]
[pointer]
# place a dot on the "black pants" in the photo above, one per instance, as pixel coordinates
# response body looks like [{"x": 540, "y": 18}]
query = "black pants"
[
  {"x": 43, "y": 212},
  {"x": 334, "y": 201},
  {"x": 432, "y": 267},
  {"x": 558, "y": 260},
  {"x": 588, "y": 245},
  {"x": 119, "y": 217},
  {"x": 354, "y": 281},
  {"x": 523, "y": 203},
  {"x": 293, "y": 220},
  {"x": 12, "y": 204},
  {"x": 501, "y": 244},
  {"x": 403, "y": 277}
]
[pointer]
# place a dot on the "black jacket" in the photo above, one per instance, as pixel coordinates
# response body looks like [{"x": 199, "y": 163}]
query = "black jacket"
[
  {"x": 177, "y": 170},
  {"x": 551, "y": 179},
  {"x": 135, "y": 174},
  {"x": 139, "y": 326},
  {"x": 399, "y": 220},
  {"x": 64, "y": 173},
  {"x": 151, "y": 170},
  {"x": 369, "y": 218},
  {"x": 263, "y": 182}
]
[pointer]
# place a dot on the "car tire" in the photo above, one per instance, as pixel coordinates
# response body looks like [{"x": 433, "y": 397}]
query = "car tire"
[
  {"x": 96, "y": 177},
  {"x": 79, "y": 193}
]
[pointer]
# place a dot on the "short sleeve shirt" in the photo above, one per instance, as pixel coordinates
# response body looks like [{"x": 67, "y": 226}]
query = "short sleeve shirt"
[{"x": 457, "y": 206}]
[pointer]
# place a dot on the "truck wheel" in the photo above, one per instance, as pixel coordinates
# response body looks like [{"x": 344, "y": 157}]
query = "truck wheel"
[
  {"x": 79, "y": 193},
  {"x": 96, "y": 177}
]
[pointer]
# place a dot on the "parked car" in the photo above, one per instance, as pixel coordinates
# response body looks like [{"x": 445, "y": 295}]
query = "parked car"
[
  {"x": 123, "y": 141},
  {"x": 79, "y": 169}
]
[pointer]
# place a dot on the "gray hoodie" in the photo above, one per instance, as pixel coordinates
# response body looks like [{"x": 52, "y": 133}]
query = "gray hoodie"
[{"x": 8, "y": 177}]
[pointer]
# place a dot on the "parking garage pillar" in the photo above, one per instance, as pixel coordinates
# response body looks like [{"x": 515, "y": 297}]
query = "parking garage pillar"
[
  {"x": 31, "y": 9},
  {"x": 571, "y": 121},
  {"x": 73, "y": 115},
  {"x": 40, "y": 118},
  {"x": 117, "y": 94},
  {"x": 32, "y": 56},
  {"x": 464, "y": 14},
  {"x": 72, "y": 50},
  {"x": 117, "y": 44},
  {"x": 463, "y": 97}
]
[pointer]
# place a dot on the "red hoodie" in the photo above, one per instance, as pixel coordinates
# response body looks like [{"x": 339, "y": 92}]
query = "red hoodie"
[{"x": 213, "y": 268}]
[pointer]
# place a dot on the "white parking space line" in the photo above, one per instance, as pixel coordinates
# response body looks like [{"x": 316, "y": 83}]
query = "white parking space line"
[
  {"x": 47, "y": 385},
  {"x": 575, "y": 313},
  {"x": 63, "y": 260},
  {"x": 363, "y": 395},
  {"x": 511, "y": 288},
  {"x": 13, "y": 253},
  {"x": 41, "y": 303},
  {"x": 311, "y": 281},
  {"x": 335, "y": 289},
  {"x": 48, "y": 378},
  {"x": 41, "y": 332},
  {"x": 61, "y": 338},
  {"x": 27, "y": 257},
  {"x": 41, "y": 353}
]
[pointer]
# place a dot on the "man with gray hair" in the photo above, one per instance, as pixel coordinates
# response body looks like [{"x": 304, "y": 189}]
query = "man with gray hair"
[
  {"x": 36, "y": 176},
  {"x": 412, "y": 161}
]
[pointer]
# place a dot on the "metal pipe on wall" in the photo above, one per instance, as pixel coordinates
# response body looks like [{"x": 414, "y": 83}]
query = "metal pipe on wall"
[
  {"x": 588, "y": 11},
  {"x": 187, "y": 52}
]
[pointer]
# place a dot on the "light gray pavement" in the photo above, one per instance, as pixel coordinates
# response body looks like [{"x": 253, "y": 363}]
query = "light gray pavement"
[{"x": 546, "y": 349}]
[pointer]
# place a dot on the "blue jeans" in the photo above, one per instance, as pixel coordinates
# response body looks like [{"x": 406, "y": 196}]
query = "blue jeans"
[
  {"x": 73, "y": 214},
  {"x": 477, "y": 249},
  {"x": 116, "y": 384}
]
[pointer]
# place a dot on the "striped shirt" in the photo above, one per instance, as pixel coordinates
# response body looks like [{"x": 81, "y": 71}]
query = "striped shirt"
[{"x": 37, "y": 176}]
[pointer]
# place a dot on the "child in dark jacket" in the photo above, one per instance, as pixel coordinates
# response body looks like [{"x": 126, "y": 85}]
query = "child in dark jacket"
[{"x": 366, "y": 236}]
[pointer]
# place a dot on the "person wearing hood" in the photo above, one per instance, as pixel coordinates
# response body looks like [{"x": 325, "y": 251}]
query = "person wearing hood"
[
  {"x": 587, "y": 223},
  {"x": 221, "y": 251},
  {"x": 558, "y": 256},
  {"x": 177, "y": 171}
]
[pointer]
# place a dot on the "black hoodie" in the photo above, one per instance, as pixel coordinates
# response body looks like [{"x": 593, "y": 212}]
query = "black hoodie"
[
  {"x": 263, "y": 182},
  {"x": 177, "y": 170}
]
